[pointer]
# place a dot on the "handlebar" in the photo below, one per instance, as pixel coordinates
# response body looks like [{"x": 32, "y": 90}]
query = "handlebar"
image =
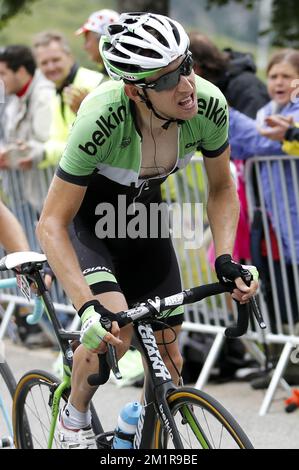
[
  {"x": 37, "y": 314},
  {"x": 38, "y": 311},
  {"x": 152, "y": 309}
]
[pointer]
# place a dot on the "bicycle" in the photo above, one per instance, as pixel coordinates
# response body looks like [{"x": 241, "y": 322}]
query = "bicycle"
[
  {"x": 7, "y": 380},
  {"x": 171, "y": 417}
]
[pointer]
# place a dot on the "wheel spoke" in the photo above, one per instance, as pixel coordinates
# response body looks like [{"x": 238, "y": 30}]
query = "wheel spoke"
[
  {"x": 32, "y": 402},
  {"x": 202, "y": 423}
]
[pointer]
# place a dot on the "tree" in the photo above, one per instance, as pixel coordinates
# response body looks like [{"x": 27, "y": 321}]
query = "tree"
[
  {"x": 154, "y": 6},
  {"x": 284, "y": 20},
  {"x": 9, "y": 8}
]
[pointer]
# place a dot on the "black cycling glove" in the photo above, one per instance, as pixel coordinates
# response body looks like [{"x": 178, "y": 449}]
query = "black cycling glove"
[{"x": 228, "y": 270}]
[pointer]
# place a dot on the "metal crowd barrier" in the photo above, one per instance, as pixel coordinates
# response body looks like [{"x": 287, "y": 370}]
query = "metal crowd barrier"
[
  {"x": 24, "y": 193},
  {"x": 273, "y": 197},
  {"x": 210, "y": 316}
]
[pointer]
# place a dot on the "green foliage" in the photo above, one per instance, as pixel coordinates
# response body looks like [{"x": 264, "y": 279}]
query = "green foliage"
[
  {"x": 247, "y": 3},
  {"x": 65, "y": 16},
  {"x": 9, "y": 8},
  {"x": 156, "y": 6},
  {"x": 284, "y": 20}
]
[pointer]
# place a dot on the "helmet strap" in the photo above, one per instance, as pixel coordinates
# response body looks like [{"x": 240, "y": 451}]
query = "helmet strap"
[{"x": 148, "y": 103}]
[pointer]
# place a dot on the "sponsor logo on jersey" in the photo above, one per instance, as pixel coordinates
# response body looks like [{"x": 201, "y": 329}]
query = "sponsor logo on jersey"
[
  {"x": 193, "y": 144},
  {"x": 105, "y": 126},
  {"x": 125, "y": 142},
  {"x": 212, "y": 111},
  {"x": 96, "y": 268}
]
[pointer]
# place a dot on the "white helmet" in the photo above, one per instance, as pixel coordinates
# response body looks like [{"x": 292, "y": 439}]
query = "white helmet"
[
  {"x": 98, "y": 21},
  {"x": 139, "y": 44}
]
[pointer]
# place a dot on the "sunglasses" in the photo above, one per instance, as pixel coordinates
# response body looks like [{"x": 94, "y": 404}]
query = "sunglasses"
[{"x": 171, "y": 79}]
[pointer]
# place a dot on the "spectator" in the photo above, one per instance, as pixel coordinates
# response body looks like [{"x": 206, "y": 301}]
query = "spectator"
[
  {"x": 72, "y": 84},
  {"x": 246, "y": 141},
  {"x": 245, "y": 136},
  {"x": 26, "y": 121},
  {"x": 93, "y": 29},
  {"x": 233, "y": 72}
]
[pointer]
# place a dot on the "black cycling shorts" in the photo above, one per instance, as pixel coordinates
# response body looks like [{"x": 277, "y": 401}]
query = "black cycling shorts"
[{"x": 139, "y": 268}]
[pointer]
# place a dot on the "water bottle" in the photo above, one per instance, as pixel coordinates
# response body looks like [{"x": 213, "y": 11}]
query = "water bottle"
[{"x": 126, "y": 426}]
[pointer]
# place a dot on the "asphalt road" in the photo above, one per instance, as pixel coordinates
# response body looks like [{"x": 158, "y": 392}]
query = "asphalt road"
[{"x": 276, "y": 430}]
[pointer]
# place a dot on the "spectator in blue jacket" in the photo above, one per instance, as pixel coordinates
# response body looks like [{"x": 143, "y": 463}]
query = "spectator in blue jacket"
[{"x": 246, "y": 142}]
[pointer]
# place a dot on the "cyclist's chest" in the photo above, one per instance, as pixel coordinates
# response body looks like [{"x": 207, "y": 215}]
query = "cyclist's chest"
[{"x": 159, "y": 152}]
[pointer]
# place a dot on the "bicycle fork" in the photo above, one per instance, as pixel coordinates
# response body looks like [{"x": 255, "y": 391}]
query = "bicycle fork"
[{"x": 54, "y": 402}]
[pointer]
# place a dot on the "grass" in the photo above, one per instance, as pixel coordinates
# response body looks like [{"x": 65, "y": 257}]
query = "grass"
[{"x": 65, "y": 16}]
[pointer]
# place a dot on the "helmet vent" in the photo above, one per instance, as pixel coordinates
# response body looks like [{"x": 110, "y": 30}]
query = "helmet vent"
[
  {"x": 115, "y": 29},
  {"x": 144, "y": 52},
  {"x": 175, "y": 32},
  {"x": 157, "y": 35}
]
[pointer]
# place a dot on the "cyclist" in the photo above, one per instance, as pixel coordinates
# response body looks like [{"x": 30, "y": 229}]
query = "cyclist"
[
  {"x": 128, "y": 137},
  {"x": 12, "y": 236}
]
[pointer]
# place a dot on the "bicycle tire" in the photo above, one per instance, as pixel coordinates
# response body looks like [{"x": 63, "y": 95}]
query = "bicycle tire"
[
  {"x": 24, "y": 439},
  {"x": 7, "y": 389},
  {"x": 182, "y": 403},
  {"x": 8, "y": 378}
]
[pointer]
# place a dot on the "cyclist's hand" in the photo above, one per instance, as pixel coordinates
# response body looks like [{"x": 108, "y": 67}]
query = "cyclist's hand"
[
  {"x": 228, "y": 270},
  {"x": 92, "y": 331}
]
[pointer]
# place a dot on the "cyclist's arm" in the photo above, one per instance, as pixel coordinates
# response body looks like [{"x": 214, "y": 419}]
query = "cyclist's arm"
[
  {"x": 223, "y": 213},
  {"x": 223, "y": 203},
  {"x": 12, "y": 236},
  {"x": 61, "y": 205}
]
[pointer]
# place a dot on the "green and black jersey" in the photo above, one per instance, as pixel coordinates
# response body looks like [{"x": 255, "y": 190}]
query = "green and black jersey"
[
  {"x": 104, "y": 153},
  {"x": 104, "y": 139}
]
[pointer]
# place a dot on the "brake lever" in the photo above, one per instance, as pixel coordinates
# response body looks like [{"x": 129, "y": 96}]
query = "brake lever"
[
  {"x": 244, "y": 312},
  {"x": 112, "y": 361},
  {"x": 107, "y": 361},
  {"x": 111, "y": 351},
  {"x": 257, "y": 313}
]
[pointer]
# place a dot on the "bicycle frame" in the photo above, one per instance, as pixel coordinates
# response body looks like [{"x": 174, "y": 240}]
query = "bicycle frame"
[
  {"x": 63, "y": 338},
  {"x": 6, "y": 283},
  {"x": 158, "y": 384},
  {"x": 158, "y": 381},
  {"x": 6, "y": 416}
]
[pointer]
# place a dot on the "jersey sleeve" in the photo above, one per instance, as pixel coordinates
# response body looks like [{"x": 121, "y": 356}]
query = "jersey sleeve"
[
  {"x": 82, "y": 153},
  {"x": 215, "y": 131}
]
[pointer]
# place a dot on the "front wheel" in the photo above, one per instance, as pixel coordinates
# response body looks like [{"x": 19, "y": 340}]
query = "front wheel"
[
  {"x": 201, "y": 422},
  {"x": 33, "y": 400}
]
